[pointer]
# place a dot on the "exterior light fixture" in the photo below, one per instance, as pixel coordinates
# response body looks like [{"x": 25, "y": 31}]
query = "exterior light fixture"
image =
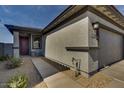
[{"x": 96, "y": 28}]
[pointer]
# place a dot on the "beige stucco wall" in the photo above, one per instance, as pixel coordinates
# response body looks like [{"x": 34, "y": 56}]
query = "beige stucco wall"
[
  {"x": 111, "y": 47},
  {"x": 79, "y": 33},
  {"x": 16, "y": 44},
  {"x": 93, "y": 52},
  {"x": 94, "y": 57},
  {"x": 94, "y": 18},
  {"x": 74, "y": 35}
]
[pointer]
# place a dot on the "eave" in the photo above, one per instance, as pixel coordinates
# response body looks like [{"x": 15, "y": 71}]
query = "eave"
[
  {"x": 13, "y": 28},
  {"x": 109, "y": 12}
]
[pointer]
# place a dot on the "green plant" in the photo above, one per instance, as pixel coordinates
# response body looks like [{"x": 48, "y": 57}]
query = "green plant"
[
  {"x": 18, "y": 81},
  {"x": 3, "y": 58},
  {"x": 16, "y": 61},
  {"x": 13, "y": 63}
]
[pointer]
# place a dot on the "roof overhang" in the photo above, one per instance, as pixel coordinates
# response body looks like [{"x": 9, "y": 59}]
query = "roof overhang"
[
  {"x": 108, "y": 11},
  {"x": 73, "y": 9},
  {"x": 13, "y": 28},
  {"x": 112, "y": 13}
]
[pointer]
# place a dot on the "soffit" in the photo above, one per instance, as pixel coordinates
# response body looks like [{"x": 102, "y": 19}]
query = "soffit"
[
  {"x": 111, "y": 13},
  {"x": 72, "y": 10}
]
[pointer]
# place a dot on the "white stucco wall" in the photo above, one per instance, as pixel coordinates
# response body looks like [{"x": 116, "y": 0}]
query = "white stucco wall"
[{"x": 74, "y": 35}]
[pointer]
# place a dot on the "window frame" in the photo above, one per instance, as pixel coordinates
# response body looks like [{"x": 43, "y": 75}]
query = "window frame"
[{"x": 33, "y": 41}]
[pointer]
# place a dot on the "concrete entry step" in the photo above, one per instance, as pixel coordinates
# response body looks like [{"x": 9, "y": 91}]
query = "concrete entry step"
[
  {"x": 44, "y": 68},
  {"x": 60, "y": 80},
  {"x": 52, "y": 76}
]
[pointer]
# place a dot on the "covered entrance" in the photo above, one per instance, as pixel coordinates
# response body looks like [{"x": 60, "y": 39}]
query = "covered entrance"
[{"x": 26, "y": 40}]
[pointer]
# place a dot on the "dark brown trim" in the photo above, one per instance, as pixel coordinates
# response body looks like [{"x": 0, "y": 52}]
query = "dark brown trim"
[
  {"x": 84, "y": 9},
  {"x": 80, "y": 49},
  {"x": 65, "y": 64},
  {"x": 59, "y": 16},
  {"x": 13, "y": 28},
  {"x": 123, "y": 47},
  {"x": 25, "y": 31},
  {"x": 89, "y": 73},
  {"x": 116, "y": 10}
]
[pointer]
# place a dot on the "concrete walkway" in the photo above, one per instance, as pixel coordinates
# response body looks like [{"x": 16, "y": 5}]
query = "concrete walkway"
[
  {"x": 52, "y": 77},
  {"x": 116, "y": 71},
  {"x": 111, "y": 77},
  {"x": 60, "y": 80},
  {"x": 44, "y": 68}
]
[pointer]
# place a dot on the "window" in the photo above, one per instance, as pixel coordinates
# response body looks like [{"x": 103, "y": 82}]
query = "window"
[{"x": 36, "y": 41}]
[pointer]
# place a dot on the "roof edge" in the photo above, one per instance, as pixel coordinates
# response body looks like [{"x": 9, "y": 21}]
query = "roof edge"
[
  {"x": 11, "y": 28},
  {"x": 61, "y": 14},
  {"x": 112, "y": 7}
]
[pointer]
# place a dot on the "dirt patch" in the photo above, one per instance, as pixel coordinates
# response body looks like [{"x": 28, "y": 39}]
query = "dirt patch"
[
  {"x": 26, "y": 68},
  {"x": 98, "y": 80}
]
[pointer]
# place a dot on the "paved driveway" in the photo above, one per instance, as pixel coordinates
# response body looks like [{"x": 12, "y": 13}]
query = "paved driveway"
[
  {"x": 52, "y": 76},
  {"x": 116, "y": 71},
  {"x": 56, "y": 77}
]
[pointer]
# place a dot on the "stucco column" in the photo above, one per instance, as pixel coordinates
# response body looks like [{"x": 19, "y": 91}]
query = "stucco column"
[
  {"x": 16, "y": 44},
  {"x": 93, "y": 49},
  {"x": 43, "y": 44}
]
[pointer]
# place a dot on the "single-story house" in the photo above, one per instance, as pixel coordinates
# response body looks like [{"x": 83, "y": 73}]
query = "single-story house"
[
  {"x": 85, "y": 37},
  {"x": 27, "y": 41}
]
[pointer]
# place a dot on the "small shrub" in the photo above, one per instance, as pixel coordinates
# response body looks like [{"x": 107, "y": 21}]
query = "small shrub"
[
  {"x": 18, "y": 81},
  {"x": 3, "y": 58},
  {"x": 16, "y": 61},
  {"x": 13, "y": 63}
]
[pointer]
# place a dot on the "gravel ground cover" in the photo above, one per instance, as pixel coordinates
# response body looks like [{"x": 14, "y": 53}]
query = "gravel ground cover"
[{"x": 26, "y": 68}]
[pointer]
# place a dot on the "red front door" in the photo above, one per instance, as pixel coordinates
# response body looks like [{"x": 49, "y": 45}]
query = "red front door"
[{"x": 24, "y": 45}]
